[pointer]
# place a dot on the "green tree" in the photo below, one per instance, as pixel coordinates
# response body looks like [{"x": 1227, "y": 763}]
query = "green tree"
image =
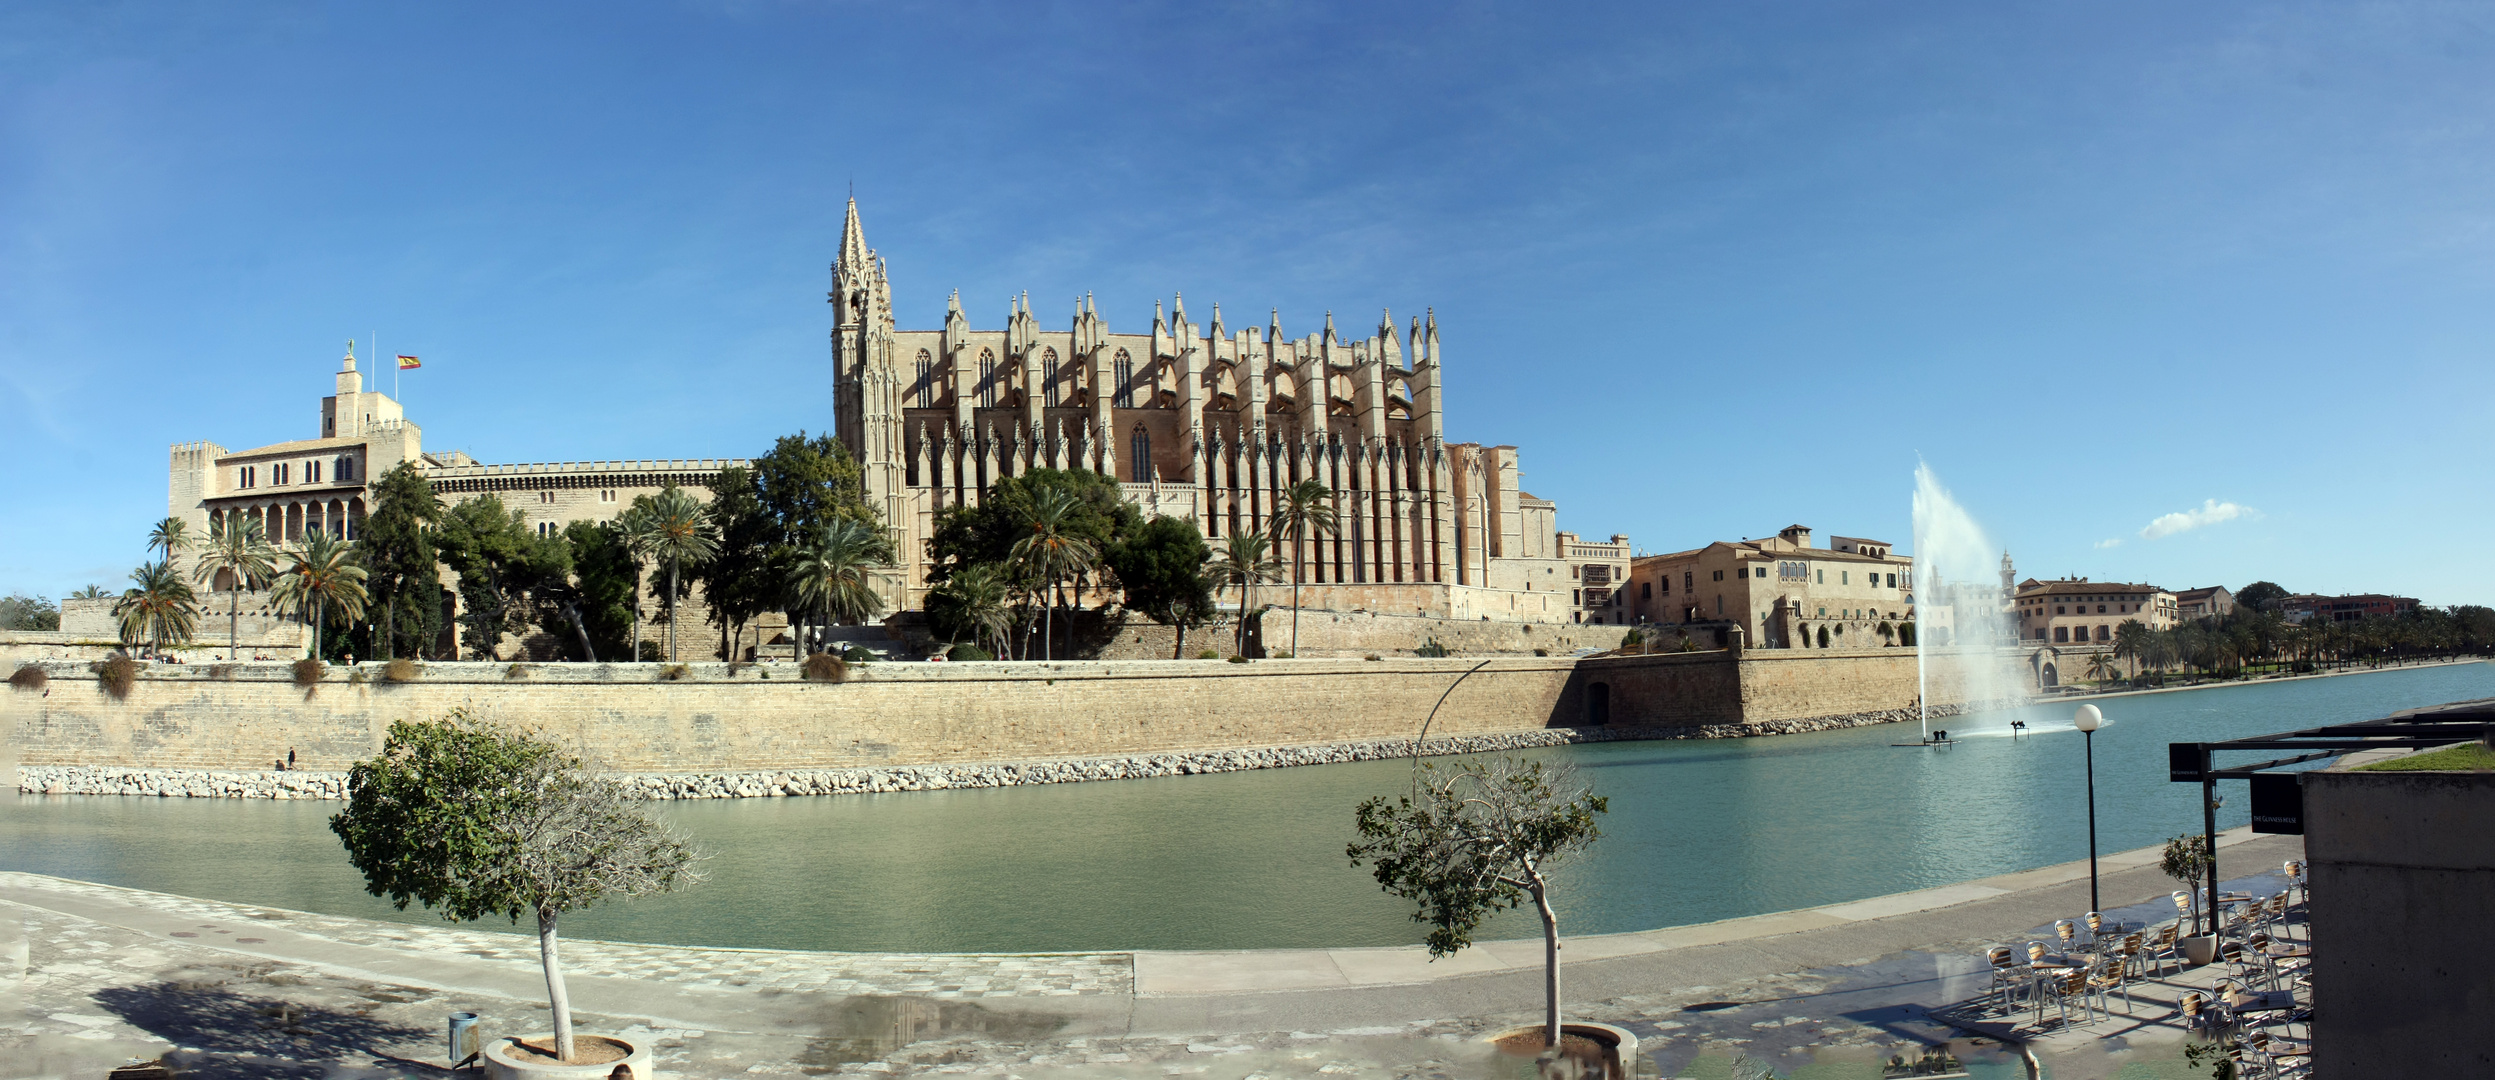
[
  {"x": 91, "y": 592},
  {"x": 2102, "y": 666},
  {"x": 1245, "y": 561},
  {"x": 738, "y": 582},
  {"x": 1887, "y": 632},
  {"x": 2259, "y": 596},
  {"x": 966, "y": 536},
  {"x": 679, "y": 533},
  {"x": 971, "y": 604},
  {"x": 835, "y": 571},
  {"x": 238, "y": 547},
  {"x": 501, "y": 562},
  {"x": 1050, "y": 554},
  {"x": 397, "y": 549},
  {"x": 1303, "y": 509},
  {"x": 22, "y": 612},
  {"x": 323, "y": 579},
  {"x": 171, "y": 537},
  {"x": 600, "y": 602},
  {"x": 159, "y": 607},
  {"x": 476, "y": 820},
  {"x": 1478, "y": 838},
  {"x": 1162, "y": 570}
]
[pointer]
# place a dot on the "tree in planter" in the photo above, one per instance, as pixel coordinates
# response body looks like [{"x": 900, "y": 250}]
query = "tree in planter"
[
  {"x": 1477, "y": 838},
  {"x": 474, "y": 819},
  {"x": 2187, "y": 861}
]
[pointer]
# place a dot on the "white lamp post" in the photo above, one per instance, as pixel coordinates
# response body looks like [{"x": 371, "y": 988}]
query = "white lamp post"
[{"x": 2087, "y": 721}]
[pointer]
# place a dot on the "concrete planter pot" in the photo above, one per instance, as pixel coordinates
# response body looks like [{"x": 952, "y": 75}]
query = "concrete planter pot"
[
  {"x": 1622, "y": 1043},
  {"x": 2198, "y": 949},
  {"x": 503, "y": 1063}
]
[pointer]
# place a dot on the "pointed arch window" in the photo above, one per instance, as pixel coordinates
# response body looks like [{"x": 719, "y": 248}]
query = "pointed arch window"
[
  {"x": 1139, "y": 450},
  {"x": 1126, "y": 380},
  {"x": 925, "y": 392},
  {"x": 1056, "y": 378},
  {"x": 987, "y": 379}
]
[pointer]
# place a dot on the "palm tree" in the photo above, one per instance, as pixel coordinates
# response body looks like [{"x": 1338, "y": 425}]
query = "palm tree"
[
  {"x": 1049, "y": 555},
  {"x": 836, "y": 570},
  {"x": 172, "y": 536},
  {"x": 160, "y": 607},
  {"x": 641, "y": 541},
  {"x": 2130, "y": 641},
  {"x": 2102, "y": 666},
  {"x": 237, "y": 546},
  {"x": 1303, "y": 508},
  {"x": 974, "y": 599},
  {"x": 679, "y": 532},
  {"x": 323, "y": 577},
  {"x": 1247, "y": 561},
  {"x": 90, "y": 592}
]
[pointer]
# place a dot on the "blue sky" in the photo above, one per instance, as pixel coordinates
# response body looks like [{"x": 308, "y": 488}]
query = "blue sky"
[{"x": 2188, "y": 294}]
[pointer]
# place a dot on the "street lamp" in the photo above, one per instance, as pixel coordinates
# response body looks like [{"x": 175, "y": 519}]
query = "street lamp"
[{"x": 2087, "y": 721}]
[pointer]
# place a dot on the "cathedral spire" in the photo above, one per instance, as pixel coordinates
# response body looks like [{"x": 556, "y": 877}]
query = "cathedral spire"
[{"x": 852, "y": 241}]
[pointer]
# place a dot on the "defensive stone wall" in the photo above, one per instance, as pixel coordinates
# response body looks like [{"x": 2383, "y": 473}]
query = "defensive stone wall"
[
  {"x": 1355, "y": 634},
  {"x": 714, "y": 719}
]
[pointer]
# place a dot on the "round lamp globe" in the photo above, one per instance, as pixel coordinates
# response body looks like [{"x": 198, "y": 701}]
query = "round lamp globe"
[{"x": 2088, "y": 719}]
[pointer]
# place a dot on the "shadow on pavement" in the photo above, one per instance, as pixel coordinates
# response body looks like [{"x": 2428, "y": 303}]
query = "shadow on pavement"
[{"x": 242, "y": 1036}]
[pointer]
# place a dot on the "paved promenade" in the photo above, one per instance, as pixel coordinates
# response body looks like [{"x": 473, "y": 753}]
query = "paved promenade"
[{"x": 93, "y": 975}]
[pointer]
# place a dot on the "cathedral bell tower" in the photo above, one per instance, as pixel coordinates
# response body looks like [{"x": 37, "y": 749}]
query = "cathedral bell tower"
[{"x": 867, "y": 381}]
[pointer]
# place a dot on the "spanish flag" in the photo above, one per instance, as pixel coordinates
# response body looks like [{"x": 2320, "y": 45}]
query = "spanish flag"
[{"x": 406, "y": 362}]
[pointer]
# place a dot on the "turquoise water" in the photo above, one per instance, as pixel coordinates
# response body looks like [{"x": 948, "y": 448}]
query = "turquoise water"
[{"x": 1698, "y": 830}]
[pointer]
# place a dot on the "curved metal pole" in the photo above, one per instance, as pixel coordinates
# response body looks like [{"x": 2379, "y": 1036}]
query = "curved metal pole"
[{"x": 1442, "y": 700}]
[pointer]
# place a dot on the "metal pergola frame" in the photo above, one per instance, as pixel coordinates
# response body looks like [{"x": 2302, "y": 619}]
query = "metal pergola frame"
[{"x": 2412, "y": 730}]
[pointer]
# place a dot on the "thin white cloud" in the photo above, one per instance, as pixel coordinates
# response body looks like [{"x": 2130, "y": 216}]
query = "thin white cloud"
[
  {"x": 2103, "y": 544},
  {"x": 2211, "y": 512}
]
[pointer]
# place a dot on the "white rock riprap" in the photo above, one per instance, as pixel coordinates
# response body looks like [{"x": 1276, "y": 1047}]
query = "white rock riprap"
[{"x": 305, "y": 784}]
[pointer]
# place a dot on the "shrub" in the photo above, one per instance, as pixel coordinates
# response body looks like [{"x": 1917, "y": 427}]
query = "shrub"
[
  {"x": 356, "y": 677},
  {"x": 825, "y": 667},
  {"x": 30, "y": 677},
  {"x": 1209, "y": 654},
  {"x": 221, "y": 671},
  {"x": 1635, "y": 637},
  {"x": 309, "y": 672},
  {"x": 674, "y": 672},
  {"x": 115, "y": 674},
  {"x": 1542, "y": 652},
  {"x": 402, "y": 670},
  {"x": 515, "y": 671},
  {"x": 1283, "y": 655},
  {"x": 1373, "y": 656},
  {"x": 653, "y": 653},
  {"x": 1238, "y": 659},
  {"x": 967, "y": 651},
  {"x": 856, "y": 654},
  {"x": 1430, "y": 648}
]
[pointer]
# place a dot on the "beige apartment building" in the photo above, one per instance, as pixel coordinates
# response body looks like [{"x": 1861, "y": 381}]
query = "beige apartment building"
[
  {"x": 2208, "y": 601},
  {"x": 2079, "y": 611},
  {"x": 1780, "y": 591}
]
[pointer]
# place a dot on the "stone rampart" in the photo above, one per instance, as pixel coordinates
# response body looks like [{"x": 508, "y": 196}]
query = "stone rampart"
[{"x": 761, "y": 720}]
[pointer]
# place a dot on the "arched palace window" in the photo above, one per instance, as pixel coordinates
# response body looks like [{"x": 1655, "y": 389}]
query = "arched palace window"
[
  {"x": 1126, "y": 380},
  {"x": 1140, "y": 450},
  {"x": 1048, "y": 363},
  {"x": 925, "y": 391},
  {"x": 987, "y": 379}
]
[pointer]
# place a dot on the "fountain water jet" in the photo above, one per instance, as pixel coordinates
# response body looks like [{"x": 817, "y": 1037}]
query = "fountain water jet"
[{"x": 1962, "y": 619}]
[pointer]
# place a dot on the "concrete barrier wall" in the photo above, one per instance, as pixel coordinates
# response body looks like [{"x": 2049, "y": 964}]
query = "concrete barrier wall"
[{"x": 2402, "y": 868}]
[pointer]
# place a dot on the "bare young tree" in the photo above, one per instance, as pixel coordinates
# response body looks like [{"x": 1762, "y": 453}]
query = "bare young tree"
[
  {"x": 1476, "y": 838},
  {"x": 478, "y": 819}
]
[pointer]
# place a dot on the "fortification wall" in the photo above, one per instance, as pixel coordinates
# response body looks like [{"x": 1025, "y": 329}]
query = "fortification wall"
[
  {"x": 886, "y": 714},
  {"x": 633, "y": 718},
  {"x": 1351, "y": 635}
]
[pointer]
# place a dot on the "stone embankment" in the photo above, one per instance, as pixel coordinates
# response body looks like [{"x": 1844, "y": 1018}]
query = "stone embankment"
[{"x": 304, "y": 784}]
